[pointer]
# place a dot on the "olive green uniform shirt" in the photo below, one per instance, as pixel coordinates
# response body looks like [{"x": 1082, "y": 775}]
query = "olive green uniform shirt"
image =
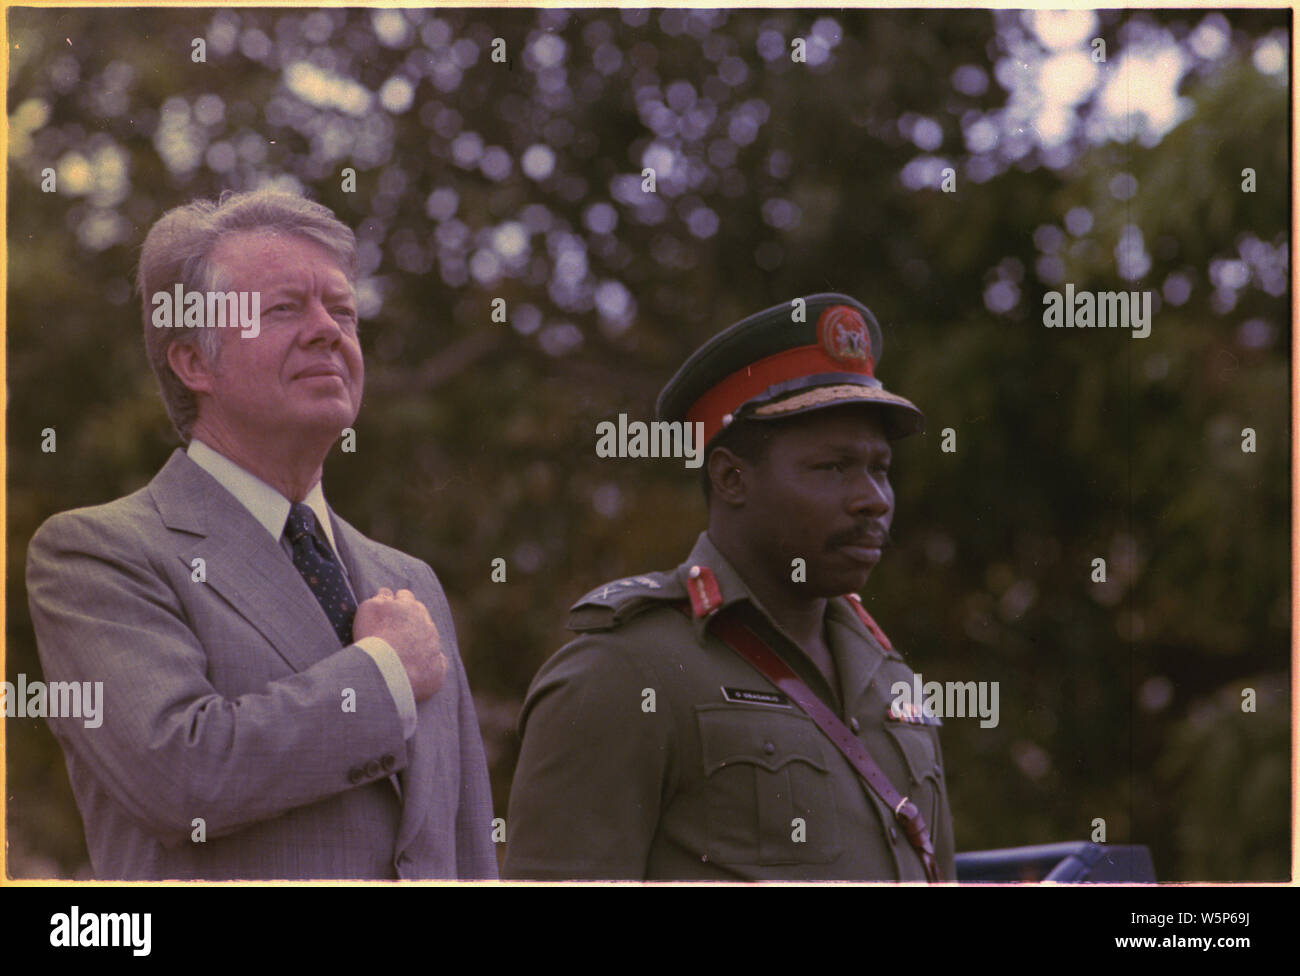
[{"x": 637, "y": 764}]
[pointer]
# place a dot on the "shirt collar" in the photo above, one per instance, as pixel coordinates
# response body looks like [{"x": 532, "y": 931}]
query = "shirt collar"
[{"x": 263, "y": 502}]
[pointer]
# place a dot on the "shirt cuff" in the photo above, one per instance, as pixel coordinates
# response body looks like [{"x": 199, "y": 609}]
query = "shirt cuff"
[{"x": 399, "y": 685}]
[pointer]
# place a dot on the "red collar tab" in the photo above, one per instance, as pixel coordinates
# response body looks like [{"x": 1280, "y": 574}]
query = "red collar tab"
[
  {"x": 855, "y": 602},
  {"x": 706, "y": 596}
]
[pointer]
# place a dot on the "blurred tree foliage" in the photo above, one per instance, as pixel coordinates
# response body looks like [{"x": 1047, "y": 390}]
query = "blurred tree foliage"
[{"x": 477, "y": 180}]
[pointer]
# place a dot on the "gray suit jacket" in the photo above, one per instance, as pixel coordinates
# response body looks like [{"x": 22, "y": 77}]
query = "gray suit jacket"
[{"x": 226, "y": 749}]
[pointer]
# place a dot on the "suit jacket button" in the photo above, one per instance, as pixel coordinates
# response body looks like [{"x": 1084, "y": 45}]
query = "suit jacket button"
[
  {"x": 388, "y": 762},
  {"x": 854, "y": 724},
  {"x": 356, "y": 774},
  {"x": 372, "y": 768},
  {"x": 893, "y": 835}
]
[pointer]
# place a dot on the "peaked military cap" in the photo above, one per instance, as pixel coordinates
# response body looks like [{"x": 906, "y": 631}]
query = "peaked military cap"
[{"x": 770, "y": 366}]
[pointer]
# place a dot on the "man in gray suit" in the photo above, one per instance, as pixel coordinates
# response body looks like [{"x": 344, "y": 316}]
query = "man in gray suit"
[{"x": 261, "y": 717}]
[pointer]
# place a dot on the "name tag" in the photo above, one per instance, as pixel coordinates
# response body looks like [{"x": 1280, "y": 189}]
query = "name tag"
[{"x": 746, "y": 696}]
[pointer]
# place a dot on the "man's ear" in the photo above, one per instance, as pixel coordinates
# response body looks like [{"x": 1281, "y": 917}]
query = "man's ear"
[
  {"x": 728, "y": 473},
  {"x": 190, "y": 366}
]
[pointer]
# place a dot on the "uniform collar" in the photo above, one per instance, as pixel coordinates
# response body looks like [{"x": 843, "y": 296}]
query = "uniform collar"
[
  {"x": 856, "y": 651},
  {"x": 732, "y": 589}
]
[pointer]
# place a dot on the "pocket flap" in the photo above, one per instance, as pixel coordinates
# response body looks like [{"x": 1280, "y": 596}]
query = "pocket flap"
[
  {"x": 759, "y": 736},
  {"x": 916, "y": 742}
]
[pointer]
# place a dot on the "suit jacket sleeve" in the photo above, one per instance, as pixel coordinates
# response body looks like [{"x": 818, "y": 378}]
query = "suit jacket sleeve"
[{"x": 170, "y": 748}]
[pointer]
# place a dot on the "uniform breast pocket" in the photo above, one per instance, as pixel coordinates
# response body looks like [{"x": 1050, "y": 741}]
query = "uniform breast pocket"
[
  {"x": 770, "y": 791},
  {"x": 917, "y": 743}
]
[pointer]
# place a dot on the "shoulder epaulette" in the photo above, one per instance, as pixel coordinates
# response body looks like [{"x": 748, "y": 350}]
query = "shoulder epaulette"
[{"x": 613, "y": 604}]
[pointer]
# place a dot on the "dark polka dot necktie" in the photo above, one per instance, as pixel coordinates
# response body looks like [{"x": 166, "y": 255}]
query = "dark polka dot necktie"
[{"x": 321, "y": 570}]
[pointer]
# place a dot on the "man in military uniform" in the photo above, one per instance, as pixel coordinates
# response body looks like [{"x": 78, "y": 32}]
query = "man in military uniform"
[{"x": 652, "y": 747}]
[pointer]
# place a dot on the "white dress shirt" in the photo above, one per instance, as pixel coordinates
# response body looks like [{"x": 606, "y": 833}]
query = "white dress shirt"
[{"x": 271, "y": 509}]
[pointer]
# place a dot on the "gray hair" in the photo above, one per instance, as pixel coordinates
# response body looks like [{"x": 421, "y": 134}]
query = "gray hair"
[{"x": 178, "y": 249}]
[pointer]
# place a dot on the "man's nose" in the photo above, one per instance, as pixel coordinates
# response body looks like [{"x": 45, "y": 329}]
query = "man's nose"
[
  {"x": 321, "y": 326},
  {"x": 869, "y": 493}
]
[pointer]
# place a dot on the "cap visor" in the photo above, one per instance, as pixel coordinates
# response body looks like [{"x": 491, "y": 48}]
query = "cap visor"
[{"x": 901, "y": 419}]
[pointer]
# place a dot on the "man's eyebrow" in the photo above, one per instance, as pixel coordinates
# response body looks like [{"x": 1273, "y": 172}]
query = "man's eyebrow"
[
  {"x": 336, "y": 285},
  {"x": 284, "y": 286},
  {"x": 295, "y": 288},
  {"x": 854, "y": 447}
]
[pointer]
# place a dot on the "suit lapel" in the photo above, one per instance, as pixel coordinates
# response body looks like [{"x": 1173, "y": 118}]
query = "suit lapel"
[
  {"x": 368, "y": 565},
  {"x": 243, "y": 563}
]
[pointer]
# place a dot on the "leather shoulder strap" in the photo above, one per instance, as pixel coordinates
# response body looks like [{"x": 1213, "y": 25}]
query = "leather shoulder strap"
[{"x": 767, "y": 662}]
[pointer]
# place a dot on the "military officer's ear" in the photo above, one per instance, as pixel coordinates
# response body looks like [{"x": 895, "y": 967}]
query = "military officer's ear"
[{"x": 726, "y": 476}]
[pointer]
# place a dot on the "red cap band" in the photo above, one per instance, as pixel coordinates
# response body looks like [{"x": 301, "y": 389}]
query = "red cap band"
[{"x": 744, "y": 384}]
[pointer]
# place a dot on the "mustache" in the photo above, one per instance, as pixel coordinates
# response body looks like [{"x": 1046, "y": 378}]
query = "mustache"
[{"x": 863, "y": 535}]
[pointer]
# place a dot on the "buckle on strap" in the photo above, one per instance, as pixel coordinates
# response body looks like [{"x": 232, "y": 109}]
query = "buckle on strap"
[{"x": 898, "y": 810}]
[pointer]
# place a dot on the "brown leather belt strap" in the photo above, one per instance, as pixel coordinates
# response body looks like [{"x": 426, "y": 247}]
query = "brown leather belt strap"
[{"x": 750, "y": 646}]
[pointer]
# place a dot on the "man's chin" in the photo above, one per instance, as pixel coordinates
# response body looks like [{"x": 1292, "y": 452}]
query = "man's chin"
[
  {"x": 854, "y": 565},
  {"x": 320, "y": 426},
  {"x": 332, "y": 414},
  {"x": 852, "y": 580}
]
